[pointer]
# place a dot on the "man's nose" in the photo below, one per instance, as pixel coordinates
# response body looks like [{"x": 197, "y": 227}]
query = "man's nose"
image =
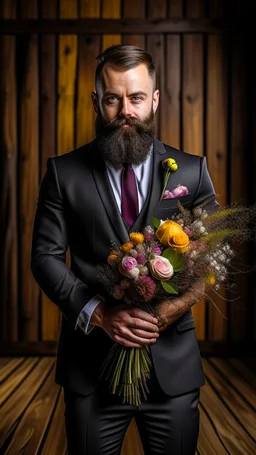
[{"x": 125, "y": 108}]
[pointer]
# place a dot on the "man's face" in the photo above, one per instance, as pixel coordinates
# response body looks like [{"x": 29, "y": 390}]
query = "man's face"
[
  {"x": 127, "y": 94},
  {"x": 125, "y": 106}
]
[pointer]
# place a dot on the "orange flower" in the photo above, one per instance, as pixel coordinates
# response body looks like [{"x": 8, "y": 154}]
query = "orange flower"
[
  {"x": 137, "y": 238},
  {"x": 126, "y": 247},
  {"x": 171, "y": 234},
  {"x": 112, "y": 258}
]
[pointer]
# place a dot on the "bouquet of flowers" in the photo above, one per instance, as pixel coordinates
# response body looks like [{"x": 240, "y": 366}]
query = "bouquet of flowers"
[{"x": 165, "y": 259}]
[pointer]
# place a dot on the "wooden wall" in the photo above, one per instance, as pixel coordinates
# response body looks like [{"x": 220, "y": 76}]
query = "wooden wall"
[{"x": 200, "y": 49}]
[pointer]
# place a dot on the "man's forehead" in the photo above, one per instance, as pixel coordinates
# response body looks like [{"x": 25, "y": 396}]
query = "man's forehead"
[{"x": 112, "y": 77}]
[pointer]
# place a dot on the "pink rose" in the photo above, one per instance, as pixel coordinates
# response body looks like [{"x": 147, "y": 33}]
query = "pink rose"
[
  {"x": 128, "y": 262},
  {"x": 132, "y": 273},
  {"x": 179, "y": 191},
  {"x": 161, "y": 268}
]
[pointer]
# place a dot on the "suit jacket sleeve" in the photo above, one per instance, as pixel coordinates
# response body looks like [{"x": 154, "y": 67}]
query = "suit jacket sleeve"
[
  {"x": 205, "y": 195},
  {"x": 48, "y": 252}
]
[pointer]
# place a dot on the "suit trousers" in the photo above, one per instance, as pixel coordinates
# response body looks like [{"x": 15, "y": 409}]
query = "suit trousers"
[{"x": 96, "y": 424}]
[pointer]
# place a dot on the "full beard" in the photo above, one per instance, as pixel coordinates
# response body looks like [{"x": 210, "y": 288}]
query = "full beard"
[{"x": 125, "y": 145}]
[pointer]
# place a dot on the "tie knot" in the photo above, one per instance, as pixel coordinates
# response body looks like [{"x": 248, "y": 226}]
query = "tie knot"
[{"x": 127, "y": 166}]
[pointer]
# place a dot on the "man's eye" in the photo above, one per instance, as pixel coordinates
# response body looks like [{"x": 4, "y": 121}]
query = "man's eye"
[
  {"x": 137, "y": 98},
  {"x": 112, "y": 99}
]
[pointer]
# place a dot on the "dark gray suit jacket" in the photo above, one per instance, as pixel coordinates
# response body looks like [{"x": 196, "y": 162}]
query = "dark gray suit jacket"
[{"x": 77, "y": 208}]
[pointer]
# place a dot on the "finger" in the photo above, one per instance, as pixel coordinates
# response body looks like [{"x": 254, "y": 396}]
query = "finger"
[
  {"x": 141, "y": 314},
  {"x": 127, "y": 343},
  {"x": 135, "y": 339},
  {"x": 142, "y": 325},
  {"x": 144, "y": 334}
]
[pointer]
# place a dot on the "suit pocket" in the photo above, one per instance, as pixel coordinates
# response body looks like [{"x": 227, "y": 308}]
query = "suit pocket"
[
  {"x": 170, "y": 204},
  {"x": 185, "y": 325}
]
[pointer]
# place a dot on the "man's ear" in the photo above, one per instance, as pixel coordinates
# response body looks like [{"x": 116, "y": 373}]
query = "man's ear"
[
  {"x": 95, "y": 102},
  {"x": 155, "y": 100}
]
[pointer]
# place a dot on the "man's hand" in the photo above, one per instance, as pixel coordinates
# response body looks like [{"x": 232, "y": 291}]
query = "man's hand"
[
  {"x": 132, "y": 327},
  {"x": 170, "y": 311}
]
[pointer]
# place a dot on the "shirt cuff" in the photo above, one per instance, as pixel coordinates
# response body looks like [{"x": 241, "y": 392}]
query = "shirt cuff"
[{"x": 83, "y": 320}]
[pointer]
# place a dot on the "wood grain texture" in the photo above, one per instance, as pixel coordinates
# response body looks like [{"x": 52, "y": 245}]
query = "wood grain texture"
[
  {"x": 233, "y": 436},
  {"x": 216, "y": 153},
  {"x": 192, "y": 126},
  {"x": 89, "y": 8},
  {"x": 28, "y": 175},
  {"x": 88, "y": 50},
  {"x": 35, "y": 420},
  {"x": 134, "y": 9},
  {"x": 157, "y": 9},
  {"x": 8, "y": 203},
  {"x": 170, "y": 93},
  {"x": 111, "y": 10},
  {"x": 50, "y": 314},
  {"x": 155, "y": 46},
  {"x": 175, "y": 8},
  {"x": 195, "y": 8},
  {"x": 242, "y": 308},
  {"x": 33, "y": 416}
]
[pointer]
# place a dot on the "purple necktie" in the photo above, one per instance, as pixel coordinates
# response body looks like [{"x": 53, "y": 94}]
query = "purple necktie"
[{"x": 130, "y": 204}]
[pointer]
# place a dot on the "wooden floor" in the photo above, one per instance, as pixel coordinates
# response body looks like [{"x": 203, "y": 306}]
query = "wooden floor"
[{"x": 31, "y": 409}]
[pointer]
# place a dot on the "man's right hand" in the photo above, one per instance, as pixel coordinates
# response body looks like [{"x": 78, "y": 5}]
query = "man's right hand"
[{"x": 132, "y": 327}]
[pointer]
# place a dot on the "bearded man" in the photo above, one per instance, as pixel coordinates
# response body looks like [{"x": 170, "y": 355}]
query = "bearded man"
[{"x": 89, "y": 198}]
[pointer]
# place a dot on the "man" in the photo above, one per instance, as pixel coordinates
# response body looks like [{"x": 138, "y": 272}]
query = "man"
[{"x": 83, "y": 204}]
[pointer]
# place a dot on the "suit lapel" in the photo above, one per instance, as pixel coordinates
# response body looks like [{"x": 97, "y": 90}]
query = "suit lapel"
[
  {"x": 156, "y": 187},
  {"x": 106, "y": 194}
]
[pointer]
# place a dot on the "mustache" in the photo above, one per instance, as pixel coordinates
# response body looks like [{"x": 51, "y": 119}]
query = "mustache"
[{"x": 119, "y": 121}]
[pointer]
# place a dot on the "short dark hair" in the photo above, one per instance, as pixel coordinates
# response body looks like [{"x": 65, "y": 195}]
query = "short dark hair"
[{"x": 124, "y": 57}]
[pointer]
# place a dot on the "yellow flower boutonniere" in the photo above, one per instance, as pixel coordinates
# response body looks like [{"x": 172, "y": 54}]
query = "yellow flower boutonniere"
[{"x": 170, "y": 166}]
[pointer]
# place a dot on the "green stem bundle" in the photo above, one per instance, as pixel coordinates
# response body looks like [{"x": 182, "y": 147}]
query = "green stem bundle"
[{"x": 127, "y": 371}]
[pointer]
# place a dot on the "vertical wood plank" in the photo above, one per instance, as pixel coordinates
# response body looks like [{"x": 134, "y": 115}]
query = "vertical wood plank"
[
  {"x": 66, "y": 81},
  {"x": 8, "y": 201},
  {"x": 195, "y": 8},
  {"x": 170, "y": 97},
  {"x": 216, "y": 8},
  {"x": 216, "y": 148},
  {"x": 89, "y": 8},
  {"x": 28, "y": 166},
  {"x": 50, "y": 314},
  {"x": 156, "y": 47},
  {"x": 192, "y": 100},
  {"x": 175, "y": 8},
  {"x": 67, "y": 63},
  {"x": 157, "y": 9},
  {"x": 88, "y": 49},
  {"x": 239, "y": 156},
  {"x": 192, "y": 116},
  {"x": 111, "y": 10},
  {"x": 134, "y": 9}
]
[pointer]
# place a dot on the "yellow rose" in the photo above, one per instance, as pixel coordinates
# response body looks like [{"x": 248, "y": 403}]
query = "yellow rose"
[
  {"x": 137, "y": 238},
  {"x": 179, "y": 242},
  {"x": 171, "y": 234},
  {"x": 126, "y": 247}
]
